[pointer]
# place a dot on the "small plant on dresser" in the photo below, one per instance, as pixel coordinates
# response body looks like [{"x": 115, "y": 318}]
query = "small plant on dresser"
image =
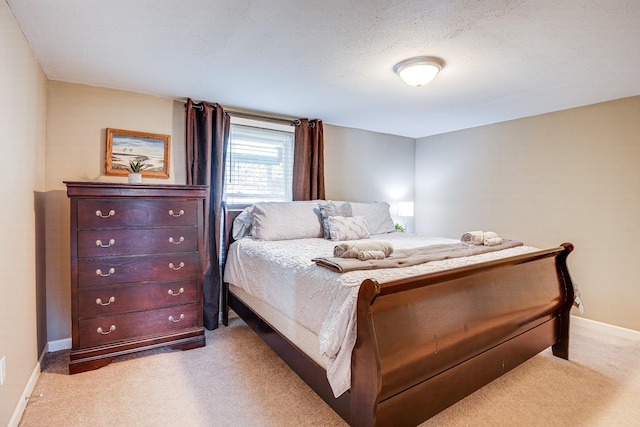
[{"x": 135, "y": 169}]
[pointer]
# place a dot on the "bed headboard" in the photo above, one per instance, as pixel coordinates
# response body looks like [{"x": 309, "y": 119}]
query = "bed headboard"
[{"x": 229, "y": 213}]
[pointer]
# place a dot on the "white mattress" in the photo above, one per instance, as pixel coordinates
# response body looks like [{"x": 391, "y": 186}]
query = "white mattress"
[
  {"x": 282, "y": 275},
  {"x": 300, "y": 336}
]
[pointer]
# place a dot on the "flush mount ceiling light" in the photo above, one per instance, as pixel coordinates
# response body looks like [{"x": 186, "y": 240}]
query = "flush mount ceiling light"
[{"x": 418, "y": 71}]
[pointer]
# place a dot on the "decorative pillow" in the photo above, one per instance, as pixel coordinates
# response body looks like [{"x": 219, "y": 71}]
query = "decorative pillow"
[
  {"x": 377, "y": 215},
  {"x": 348, "y": 227},
  {"x": 286, "y": 220},
  {"x": 330, "y": 208},
  {"x": 242, "y": 224}
]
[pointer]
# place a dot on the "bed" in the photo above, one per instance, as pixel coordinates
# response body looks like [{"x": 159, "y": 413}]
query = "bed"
[{"x": 396, "y": 345}]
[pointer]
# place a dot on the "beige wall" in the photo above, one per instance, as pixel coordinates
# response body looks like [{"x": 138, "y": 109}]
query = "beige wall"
[
  {"x": 77, "y": 119},
  {"x": 365, "y": 166},
  {"x": 572, "y": 175},
  {"x": 22, "y": 165}
]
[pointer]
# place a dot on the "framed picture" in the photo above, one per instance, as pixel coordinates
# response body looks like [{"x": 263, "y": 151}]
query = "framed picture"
[{"x": 124, "y": 146}]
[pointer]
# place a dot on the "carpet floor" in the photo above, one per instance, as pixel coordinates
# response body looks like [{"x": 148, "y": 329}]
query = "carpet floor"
[{"x": 236, "y": 380}]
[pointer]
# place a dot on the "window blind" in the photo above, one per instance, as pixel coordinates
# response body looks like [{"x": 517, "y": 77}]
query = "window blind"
[{"x": 259, "y": 164}]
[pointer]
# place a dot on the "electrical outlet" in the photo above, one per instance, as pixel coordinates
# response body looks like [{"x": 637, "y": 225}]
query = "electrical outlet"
[{"x": 3, "y": 369}]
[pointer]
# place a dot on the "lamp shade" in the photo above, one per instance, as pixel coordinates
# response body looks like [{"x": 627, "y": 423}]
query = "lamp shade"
[
  {"x": 418, "y": 71},
  {"x": 405, "y": 209}
]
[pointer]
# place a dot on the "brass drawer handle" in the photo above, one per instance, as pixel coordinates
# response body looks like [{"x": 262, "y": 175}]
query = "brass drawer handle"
[
  {"x": 111, "y": 271},
  {"x": 174, "y": 214},
  {"x": 180, "y": 240},
  {"x": 111, "y": 329},
  {"x": 173, "y": 267},
  {"x": 180, "y": 291},
  {"x": 111, "y": 213},
  {"x": 111, "y": 300},
  {"x": 102, "y": 245},
  {"x": 171, "y": 319}
]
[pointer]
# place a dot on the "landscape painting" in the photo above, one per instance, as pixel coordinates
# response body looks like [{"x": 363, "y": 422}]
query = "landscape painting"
[{"x": 126, "y": 146}]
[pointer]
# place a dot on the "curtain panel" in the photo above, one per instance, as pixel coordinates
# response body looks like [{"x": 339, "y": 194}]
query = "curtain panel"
[
  {"x": 308, "y": 161},
  {"x": 207, "y": 133}
]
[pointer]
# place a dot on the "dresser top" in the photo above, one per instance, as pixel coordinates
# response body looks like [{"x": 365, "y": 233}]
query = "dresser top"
[{"x": 114, "y": 189}]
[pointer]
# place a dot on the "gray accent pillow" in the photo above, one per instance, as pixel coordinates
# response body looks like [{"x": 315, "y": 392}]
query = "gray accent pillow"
[{"x": 329, "y": 209}]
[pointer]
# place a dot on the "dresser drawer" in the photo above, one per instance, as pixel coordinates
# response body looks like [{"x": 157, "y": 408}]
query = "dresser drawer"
[
  {"x": 108, "y": 300},
  {"x": 110, "y": 329},
  {"x": 118, "y": 213},
  {"x": 138, "y": 241},
  {"x": 112, "y": 270}
]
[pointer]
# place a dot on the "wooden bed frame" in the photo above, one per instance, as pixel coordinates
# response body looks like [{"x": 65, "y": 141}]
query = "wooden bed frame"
[{"x": 426, "y": 342}]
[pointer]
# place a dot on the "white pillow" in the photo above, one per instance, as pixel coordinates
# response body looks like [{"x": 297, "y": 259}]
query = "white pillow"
[
  {"x": 286, "y": 220},
  {"x": 348, "y": 227},
  {"x": 377, "y": 215}
]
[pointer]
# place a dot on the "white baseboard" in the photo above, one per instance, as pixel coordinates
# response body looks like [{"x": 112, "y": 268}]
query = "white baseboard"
[
  {"x": 606, "y": 328},
  {"x": 26, "y": 394},
  {"x": 51, "y": 346}
]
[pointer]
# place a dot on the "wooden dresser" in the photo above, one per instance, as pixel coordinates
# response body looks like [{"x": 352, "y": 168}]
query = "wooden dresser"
[{"x": 136, "y": 269}]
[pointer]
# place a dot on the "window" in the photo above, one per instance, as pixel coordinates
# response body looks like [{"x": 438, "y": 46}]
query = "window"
[{"x": 259, "y": 162}]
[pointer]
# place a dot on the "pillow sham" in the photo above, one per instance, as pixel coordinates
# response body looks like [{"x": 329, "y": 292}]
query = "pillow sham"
[
  {"x": 286, "y": 220},
  {"x": 348, "y": 227},
  {"x": 242, "y": 224},
  {"x": 377, "y": 215},
  {"x": 329, "y": 209}
]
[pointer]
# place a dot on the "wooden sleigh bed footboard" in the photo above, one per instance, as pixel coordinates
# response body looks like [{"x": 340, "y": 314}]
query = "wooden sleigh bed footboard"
[{"x": 424, "y": 343}]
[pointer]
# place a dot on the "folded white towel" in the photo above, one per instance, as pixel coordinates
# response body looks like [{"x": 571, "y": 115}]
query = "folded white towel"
[
  {"x": 487, "y": 238},
  {"x": 367, "y": 255},
  {"x": 352, "y": 249},
  {"x": 489, "y": 235},
  {"x": 492, "y": 241},
  {"x": 472, "y": 238}
]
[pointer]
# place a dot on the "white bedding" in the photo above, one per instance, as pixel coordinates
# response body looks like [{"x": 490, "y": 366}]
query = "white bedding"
[{"x": 282, "y": 274}]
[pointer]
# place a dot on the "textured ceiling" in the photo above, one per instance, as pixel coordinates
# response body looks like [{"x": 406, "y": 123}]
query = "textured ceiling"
[{"x": 333, "y": 59}]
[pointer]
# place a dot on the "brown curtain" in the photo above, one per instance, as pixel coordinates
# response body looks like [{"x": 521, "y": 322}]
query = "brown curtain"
[
  {"x": 207, "y": 135},
  {"x": 308, "y": 161}
]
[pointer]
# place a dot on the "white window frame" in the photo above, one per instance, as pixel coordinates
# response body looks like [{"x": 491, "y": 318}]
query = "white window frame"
[{"x": 249, "y": 198}]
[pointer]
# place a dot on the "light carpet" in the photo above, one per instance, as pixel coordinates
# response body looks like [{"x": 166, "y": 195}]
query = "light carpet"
[{"x": 236, "y": 380}]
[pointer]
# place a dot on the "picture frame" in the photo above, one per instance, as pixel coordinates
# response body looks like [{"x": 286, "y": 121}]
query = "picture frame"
[{"x": 124, "y": 146}]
